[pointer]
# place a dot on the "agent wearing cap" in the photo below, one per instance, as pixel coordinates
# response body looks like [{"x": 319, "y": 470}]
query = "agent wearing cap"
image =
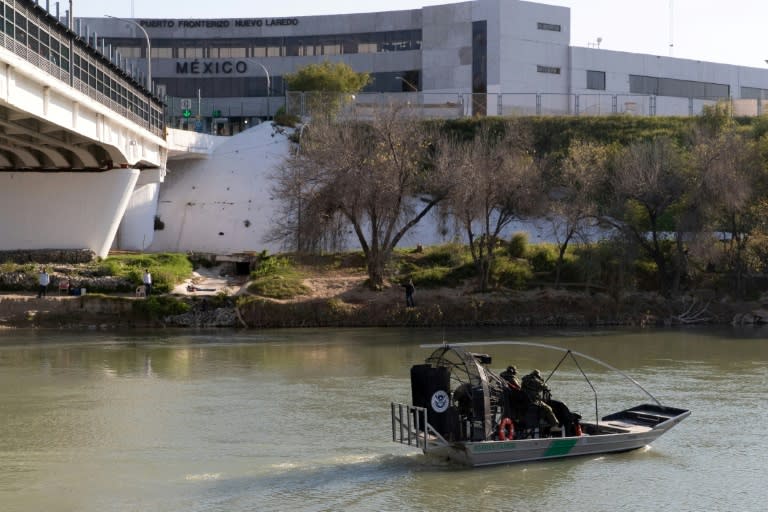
[
  {"x": 538, "y": 392},
  {"x": 510, "y": 375}
]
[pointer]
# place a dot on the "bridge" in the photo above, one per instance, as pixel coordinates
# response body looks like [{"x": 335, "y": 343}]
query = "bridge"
[{"x": 82, "y": 140}]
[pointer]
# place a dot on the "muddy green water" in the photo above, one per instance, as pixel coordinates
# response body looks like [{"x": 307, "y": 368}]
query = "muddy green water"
[{"x": 299, "y": 420}]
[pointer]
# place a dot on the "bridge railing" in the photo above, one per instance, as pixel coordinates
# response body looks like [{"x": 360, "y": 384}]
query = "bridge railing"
[{"x": 34, "y": 35}]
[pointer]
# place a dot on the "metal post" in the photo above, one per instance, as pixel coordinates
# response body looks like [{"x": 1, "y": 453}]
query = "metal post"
[{"x": 269, "y": 87}]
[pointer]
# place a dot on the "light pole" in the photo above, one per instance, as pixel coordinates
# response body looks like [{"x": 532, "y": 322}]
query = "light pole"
[
  {"x": 269, "y": 89},
  {"x": 406, "y": 82},
  {"x": 149, "y": 50},
  {"x": 266, "y": 73}
]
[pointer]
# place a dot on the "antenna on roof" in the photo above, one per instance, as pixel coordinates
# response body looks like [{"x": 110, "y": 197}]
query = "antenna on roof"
[{"x": 671, "y": 26}]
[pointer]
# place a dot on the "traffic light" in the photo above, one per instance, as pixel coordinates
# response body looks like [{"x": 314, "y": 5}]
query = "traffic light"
[{"x": 187, "y": 113}]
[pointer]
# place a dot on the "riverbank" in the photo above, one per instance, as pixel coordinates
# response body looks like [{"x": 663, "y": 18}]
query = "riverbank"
[{"x": 341, "y": 299}]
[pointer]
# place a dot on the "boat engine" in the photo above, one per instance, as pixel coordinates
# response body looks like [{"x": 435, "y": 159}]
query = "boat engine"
[{"x": 430, "y": 388}]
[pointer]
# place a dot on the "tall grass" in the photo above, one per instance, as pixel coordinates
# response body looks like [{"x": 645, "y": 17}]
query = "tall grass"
[{"x": 167, "y": 269}]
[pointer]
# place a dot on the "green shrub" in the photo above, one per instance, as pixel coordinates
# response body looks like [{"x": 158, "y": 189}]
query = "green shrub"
[
  {"x": 277, "y": 278},
  {"x": 283, "y": 286},
  {"x": 167, "y": 269},
  {"x": 518, "y": 245},
  {"x": 449, "y": 255},
  {"x": 156, "y": 307},
  {"x": 543, "y": 257},
  {"x": 283, "y": 118},
  {"x": 8, "y": 266},
  {"x": 510, "y": 273},
  {"x": 270, "y": 265},
  {"x": 432, "y": 277}
]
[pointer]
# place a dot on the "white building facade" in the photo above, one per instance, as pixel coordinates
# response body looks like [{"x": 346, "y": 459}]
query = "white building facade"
[{"x": 494, "y": 57}]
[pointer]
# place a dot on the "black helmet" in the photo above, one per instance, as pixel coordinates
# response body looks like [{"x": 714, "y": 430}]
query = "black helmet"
[{"x": 511, "y": 369}]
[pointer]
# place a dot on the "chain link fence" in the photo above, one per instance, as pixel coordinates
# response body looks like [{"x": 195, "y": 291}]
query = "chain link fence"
[{"x": 451, "y": 105}]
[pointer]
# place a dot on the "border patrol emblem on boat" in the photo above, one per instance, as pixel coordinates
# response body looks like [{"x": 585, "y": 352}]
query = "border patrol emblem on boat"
[{"x": 440, "y": 401}]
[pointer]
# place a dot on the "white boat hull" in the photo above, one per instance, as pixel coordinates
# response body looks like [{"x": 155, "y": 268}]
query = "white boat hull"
[{"x": 610, "y": 436}]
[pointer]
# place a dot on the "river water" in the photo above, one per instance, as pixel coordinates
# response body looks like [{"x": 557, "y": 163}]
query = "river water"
[{"x": 299, "y": 420}]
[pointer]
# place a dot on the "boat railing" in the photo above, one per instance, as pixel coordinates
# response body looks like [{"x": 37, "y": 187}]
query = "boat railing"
[{"x": 410, "y": 426}]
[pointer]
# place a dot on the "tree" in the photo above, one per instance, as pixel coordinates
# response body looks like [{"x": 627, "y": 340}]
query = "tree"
[
  {"x": 648, "y": 184},
  {"x": 732, "y": 182},
  {"x": 372, "y": 175},
  {"x": 496, "y": 181},
  {"x": 327, "y": 85},
  {"x": 573, "y": 203}
]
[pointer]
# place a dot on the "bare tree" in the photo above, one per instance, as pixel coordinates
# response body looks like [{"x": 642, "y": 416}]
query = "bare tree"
[
  {"x": 497, "y": 181},
  {"x": 573, "y": 204},
  {"x": 650, "y": 181},
  {"x": 370, "y": 174},
  {"x": 731, "y": 171}
]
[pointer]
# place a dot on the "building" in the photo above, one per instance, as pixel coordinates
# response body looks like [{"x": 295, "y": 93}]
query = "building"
[{"x": 483, "y": 56}]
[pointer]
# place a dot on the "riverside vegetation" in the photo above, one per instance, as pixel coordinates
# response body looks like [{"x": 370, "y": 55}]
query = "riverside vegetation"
[
  {"x": 679, "y": 204},
  {"x": 597, "y": 286}
]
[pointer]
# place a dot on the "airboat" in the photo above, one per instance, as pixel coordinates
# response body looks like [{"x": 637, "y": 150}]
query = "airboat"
[{"x": 465, "y": 412}]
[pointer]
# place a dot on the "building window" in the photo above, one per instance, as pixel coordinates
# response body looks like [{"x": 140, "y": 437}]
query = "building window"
[
  {"x": 596, "y": 80},
  {"x": 675, "y": 88},
  {"x": 480, "y": 57},
  {"x": 227, "y": 53},
  {"x": 162, "y": 53},
  {"x": 190, "y": 53},
  {"x": 367, "y": 48},
  {"x": 548, "y": 69},
  {"x": 754, "y": 93},
  {"x": 548, "y": 26}
]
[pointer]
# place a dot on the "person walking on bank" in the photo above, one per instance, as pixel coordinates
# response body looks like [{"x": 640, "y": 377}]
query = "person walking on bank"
[
  {"x": 409, "y": 289},
  {"x": 44, "y": 279},
  {"x": 147, "y": 280}
]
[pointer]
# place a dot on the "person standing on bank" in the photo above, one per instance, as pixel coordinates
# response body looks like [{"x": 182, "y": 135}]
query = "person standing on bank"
[
  {"x": 409, "y": 289},
  {"x": 147, "y": 280},
  {"x": 44, "y": 279}
]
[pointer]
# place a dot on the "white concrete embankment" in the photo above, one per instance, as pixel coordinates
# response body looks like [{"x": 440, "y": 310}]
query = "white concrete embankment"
[{"x": 223, "y": 203}]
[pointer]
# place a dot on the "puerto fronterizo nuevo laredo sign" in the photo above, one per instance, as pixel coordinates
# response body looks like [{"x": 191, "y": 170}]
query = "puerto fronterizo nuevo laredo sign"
[{"x": 238, "y": 23}]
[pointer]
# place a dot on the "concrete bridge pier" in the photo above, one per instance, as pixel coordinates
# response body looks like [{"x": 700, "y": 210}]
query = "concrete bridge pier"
[
  {"x": 137, "y": 229},
  {"x": 64, "y": 210}
]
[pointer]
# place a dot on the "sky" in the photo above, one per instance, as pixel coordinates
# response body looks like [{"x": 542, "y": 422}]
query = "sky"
[{"x": 731, "y": 32}]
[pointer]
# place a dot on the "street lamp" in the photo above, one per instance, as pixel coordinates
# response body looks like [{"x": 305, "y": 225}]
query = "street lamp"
[
  {"x": 149, "y": 51},
  {"x": 269, "y": 88},
  {"x": 266, "y": 73},
  {"x": 406, "y": 82}
]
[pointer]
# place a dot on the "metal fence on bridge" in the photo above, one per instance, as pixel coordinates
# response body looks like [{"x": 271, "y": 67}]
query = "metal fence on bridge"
[{"x": 34, "y": 35}]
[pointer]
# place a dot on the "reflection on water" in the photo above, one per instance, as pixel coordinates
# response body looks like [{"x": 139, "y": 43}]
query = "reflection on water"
[{"x": 299, "y": 420}]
